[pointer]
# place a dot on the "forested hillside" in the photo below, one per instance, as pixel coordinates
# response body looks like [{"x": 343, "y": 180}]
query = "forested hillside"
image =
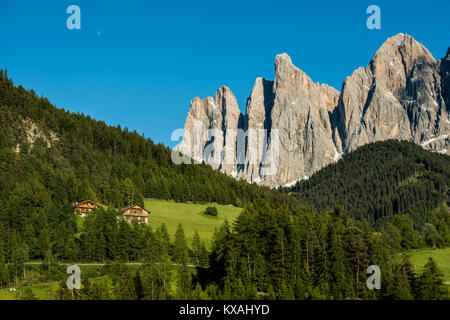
[
  {"x": 276, "y": 249},
  {"x": 51, "y": 158},
  {"x": 71, "y": 157},
  {"x": 313, "y": 256},
  {"x": 380, "y": 180}
]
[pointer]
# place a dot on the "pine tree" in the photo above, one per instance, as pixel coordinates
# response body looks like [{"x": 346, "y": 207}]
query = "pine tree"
[
  {"x": 181, "y": 258},
  {"x": 95, "y": 290},
  {"x": 63, "y": 293},
  {"x": 338, "y": 279},
  {"x": 401, "y": 282},
  {"x": 198, "y": 293},
  {"x": 125, "y": 284},
  {"x": 431, "y": 285},
  {"x": 359, "y": 254},
  {"x": 204, "y": 255},
  {"x": 18, "y": 258},
  {"x": 408, "y": 269},
  {"x": 125, "y": 241},
  {"x": 150, "y": 274},
  {"x": 4, "y": 274},
  {"x": 196, "y": 248},
  {"x": 212, "y": 291},
  {"x": 164, "y": 237}
]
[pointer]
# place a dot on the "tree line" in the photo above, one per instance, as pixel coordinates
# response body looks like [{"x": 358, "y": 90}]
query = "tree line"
[
  {"x": 266, "y": 254},
  {"x": 387, "y": 181}
]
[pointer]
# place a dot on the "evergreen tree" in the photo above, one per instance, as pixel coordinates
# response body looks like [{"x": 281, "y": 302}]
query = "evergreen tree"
[
  {"x": 125, "y": 287},
  {"x": 203, "y": 255},
  {"x": 4, "y": 274},
  {"x": 96, "y": 290},
  {"x": 401, "y": 288},
  {"x": 150, "y": 274},
  {"x": 408, "y": 270},
  {"x": 164, "y": 238},
  {"x": 196, "y": 248},
  {"x": 63, "y": 293},
  {"x": 338, "y": 272},
  {"x": 181, "y": 258},
  {"x": 430, "y": 284},
  {"x": 18, "y": 258}
]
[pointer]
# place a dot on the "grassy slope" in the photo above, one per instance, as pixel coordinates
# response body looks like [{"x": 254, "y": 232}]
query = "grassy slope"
[
  {"x": 191, "y": 217},
  {"x": 40, "y": 291},
  {"x": 441, "y": 256}
]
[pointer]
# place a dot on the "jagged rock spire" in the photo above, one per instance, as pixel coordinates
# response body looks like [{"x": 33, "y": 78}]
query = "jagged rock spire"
[{"x": 403, "y": 93}]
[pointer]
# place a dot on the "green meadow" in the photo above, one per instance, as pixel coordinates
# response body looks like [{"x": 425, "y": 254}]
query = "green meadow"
[
  {"x": 40, "y": 291},
  {"x": 441, "y": 256},
  {"x": 191, "y": 216}
]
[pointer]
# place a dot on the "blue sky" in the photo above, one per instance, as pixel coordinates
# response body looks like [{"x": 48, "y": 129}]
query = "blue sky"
[{"x": 139, "y": 63}]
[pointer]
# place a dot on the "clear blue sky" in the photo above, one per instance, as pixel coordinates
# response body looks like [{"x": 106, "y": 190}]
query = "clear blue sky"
[{"x": 139, "y": 63}]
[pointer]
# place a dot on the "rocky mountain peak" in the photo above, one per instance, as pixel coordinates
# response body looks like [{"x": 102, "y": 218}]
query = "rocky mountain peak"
[
  {"x": 444, "y": 70},
  {"x": 288, "y": 76},
  {"x": 395, "y": 59},
  {"x": 403, "y": 93},
  {"x": 224, "y": 93},
  {"x": 282, "y": 59}
]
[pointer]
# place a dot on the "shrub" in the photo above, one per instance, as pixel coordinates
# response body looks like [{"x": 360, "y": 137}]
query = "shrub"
[{"x": 212, "y": 211}]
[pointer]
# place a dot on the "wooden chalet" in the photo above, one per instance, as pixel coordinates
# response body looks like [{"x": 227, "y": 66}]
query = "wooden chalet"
[
  {"x": 84, "y": 207},
  {"x": 135, "y": 213}
]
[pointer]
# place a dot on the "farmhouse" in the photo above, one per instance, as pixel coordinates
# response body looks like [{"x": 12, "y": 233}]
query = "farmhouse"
[
  {"x": 84, "y": 207},
  {"x": 135, "y": 213}
]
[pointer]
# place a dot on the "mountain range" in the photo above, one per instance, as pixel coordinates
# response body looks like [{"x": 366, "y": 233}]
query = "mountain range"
[{"x": 298, "y": 127}]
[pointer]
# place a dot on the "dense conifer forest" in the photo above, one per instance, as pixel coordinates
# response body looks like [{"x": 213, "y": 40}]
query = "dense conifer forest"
[
  {"x": 385, "y": 181},
  {"x": 56, "y": 157},
  {"x": 316, "y": 245},
  {"x": 380, "y": 180}
]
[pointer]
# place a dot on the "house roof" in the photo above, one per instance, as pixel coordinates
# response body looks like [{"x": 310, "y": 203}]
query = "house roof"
[
  {"x": 132, "y": 206},
  {"x": 85, "y": 202}
]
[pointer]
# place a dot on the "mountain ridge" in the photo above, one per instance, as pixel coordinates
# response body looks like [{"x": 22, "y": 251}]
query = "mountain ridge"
[{"x": 403, "y": 94}]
